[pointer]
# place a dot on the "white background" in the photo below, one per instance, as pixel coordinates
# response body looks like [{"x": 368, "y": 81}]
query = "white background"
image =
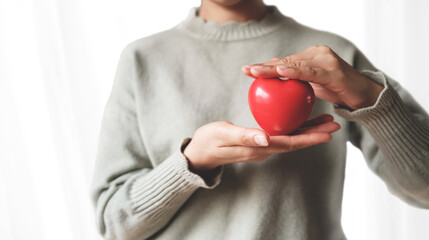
[{"x": 57, "y": 62}]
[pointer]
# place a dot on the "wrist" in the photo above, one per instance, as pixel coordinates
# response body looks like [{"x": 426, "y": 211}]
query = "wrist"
[
  {"x": 194, "y": 165},
  {"x": 368, "y": 95},
  {"x": 372, "y": 95}
]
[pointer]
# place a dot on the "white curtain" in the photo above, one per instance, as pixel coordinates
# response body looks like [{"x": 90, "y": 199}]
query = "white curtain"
[
  {"x": 57, "y": 62},
  {"x": 396, "y": 41}
]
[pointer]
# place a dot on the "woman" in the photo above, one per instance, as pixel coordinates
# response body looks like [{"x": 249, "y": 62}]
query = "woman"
[{"x": 232, "y": 180}]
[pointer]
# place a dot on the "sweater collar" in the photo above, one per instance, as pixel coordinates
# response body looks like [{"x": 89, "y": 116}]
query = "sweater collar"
[{"x": 233, "y": 30}]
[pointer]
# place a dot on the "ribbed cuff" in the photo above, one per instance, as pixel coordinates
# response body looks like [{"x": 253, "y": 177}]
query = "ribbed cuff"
[
  {"x": 167, "y": 183},
  {"x": 401, "y": 137}
]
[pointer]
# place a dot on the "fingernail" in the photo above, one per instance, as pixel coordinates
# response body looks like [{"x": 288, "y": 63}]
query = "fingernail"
[
  {"x": 282, "y": 67},
  {"x": 327, "y": 139},
  {"x": 247, "y": 67},
  {"x": 260, "y": 140},
  {"x": 257, "y": 67}
]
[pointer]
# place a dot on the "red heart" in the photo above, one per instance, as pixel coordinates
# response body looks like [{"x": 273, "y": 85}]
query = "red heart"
[{"x": 280, "y": 106}]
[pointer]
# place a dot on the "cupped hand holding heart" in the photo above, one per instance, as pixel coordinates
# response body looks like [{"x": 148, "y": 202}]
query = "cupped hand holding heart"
[{"x": 220, "y": 143}]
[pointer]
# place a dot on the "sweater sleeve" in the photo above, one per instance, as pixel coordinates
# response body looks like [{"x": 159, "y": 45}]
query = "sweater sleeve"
[
  {"x": 393, "y": 135},
  {"x": 134, "y": 199}
]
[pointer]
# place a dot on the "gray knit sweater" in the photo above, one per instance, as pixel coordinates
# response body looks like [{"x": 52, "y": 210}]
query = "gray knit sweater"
[{"x": 169, "y": 84}]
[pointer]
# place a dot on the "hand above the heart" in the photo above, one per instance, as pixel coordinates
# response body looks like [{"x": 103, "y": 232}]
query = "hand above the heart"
[
  {"x": 331, "y": 77},
  {"x": 220, "y": 143}
]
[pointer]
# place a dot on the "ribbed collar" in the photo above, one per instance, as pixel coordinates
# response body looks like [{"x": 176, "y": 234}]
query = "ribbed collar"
[{"x": 233, "y": 30}]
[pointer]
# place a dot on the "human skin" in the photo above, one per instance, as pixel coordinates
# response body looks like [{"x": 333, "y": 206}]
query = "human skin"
[
  {"x": 333, "y": 80},
  {"x": 221, "y": 143}
]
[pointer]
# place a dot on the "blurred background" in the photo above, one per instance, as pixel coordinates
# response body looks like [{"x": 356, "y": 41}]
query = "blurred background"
[{"x": 57, "y": 62}]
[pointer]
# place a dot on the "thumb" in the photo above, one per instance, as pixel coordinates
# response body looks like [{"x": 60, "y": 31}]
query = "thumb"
[{"x": 240, "y": 136}]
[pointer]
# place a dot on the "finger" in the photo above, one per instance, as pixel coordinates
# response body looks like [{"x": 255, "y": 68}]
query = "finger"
[
  {"x": 231, "y": 135},
  {"x": 264, "y": 71},
  {"x": 309, "y": 74},
  {"x": 278, "y": 144},
  {"x": 246, "y": 70},
  {"x": 297, "y": 57},
  {"x": 318, "y": 120},
  {"x": 308, "y": 54},
  {"x": 289, "y": 143},
  {"x": 273, "y": 61},
  {"x": 328, "y": 127},
  {"x": 243, "y": 153},
  {"x": 267, "y": 70}
]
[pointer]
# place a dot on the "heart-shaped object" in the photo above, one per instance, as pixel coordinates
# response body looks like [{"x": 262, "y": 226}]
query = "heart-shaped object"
[{"x": 280, "y": 106}]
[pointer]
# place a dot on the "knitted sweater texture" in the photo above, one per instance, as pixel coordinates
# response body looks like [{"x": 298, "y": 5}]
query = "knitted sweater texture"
[{"x": 169, "y": 84}]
